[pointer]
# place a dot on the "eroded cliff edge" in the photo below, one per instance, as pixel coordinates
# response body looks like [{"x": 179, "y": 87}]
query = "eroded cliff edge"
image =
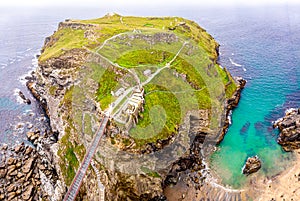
[{"x": 87, "y": 65}]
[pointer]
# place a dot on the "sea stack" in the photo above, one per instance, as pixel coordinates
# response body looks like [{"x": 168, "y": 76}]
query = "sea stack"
[{"x": 253, "y": 164}]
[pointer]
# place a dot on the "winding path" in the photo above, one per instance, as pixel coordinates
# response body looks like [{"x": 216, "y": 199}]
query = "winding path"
[{"x": 77, "y": 181}]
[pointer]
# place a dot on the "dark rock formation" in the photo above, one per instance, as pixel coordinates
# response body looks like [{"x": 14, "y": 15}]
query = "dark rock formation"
[
  {"x": 289, "y": 126},
  {"x": 231, "y": 104},
  {"x": 25, "y": 100},
  {"x": 253, "y": 164}
]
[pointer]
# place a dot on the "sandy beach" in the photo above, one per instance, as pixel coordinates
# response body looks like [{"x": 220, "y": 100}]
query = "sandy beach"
[{"x": 285, "y": 186}]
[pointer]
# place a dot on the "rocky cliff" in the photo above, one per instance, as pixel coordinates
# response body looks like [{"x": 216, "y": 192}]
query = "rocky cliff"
[
  {"x": 84, "y": 64},
  {"x": 289, "y": 126}
]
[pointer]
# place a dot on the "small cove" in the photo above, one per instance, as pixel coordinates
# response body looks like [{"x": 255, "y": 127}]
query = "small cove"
[{"x": 265, "y": 49}]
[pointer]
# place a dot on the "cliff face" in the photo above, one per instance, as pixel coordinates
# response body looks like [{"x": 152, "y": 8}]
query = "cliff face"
[
  {"x": 289, "y": 126},
  {"x": 84, "y": 64}
]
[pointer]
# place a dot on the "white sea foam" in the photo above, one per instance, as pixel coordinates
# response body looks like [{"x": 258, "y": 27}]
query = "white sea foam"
[
  {"x": 34, "y": 64},
  {"x": 18, "y": 98},
  {"x": 233, "y": 63},
  {"x": 3, "y": 65},
  {"x": 35, "y": 61},
  {"x": 11, "y": 61},
  {"x": 22, "y": 77},
  {"x": 287, "y": 111},
  {"x": 229, "y": 117}
]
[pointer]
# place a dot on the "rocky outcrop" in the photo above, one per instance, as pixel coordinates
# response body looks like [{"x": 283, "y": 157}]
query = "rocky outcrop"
[
  {"x": 74, "y": 25},
  {"x": 252, "y": 165},
  {"x": 289, "y": 126},
  {"x": 25, "y": 100},
  {"x": 231, "y": 103},
  {"x": 20, "y": 173}
]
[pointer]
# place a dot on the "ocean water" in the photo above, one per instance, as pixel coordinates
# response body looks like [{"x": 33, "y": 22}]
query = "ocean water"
[{"x": 260, "y": 44}]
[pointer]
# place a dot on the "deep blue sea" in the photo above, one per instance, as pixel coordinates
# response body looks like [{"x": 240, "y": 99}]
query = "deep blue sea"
[{"x": 260, "y": 44}]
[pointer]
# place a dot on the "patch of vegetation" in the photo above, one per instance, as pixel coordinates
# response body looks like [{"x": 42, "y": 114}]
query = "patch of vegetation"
[
  {"x": 228, "y": 82},
  {"x": 126, "y": 141},
  {"x": 148, "y": 25},
  {"x": 107, "y": 83},
  {"x": 160, "y": 122},
  {"x": 52, "y": 90},
  {"x": 150, "y": 172},
  {"x": 192, "y": 75},
  {"x": 144, "y": 57},
  {"x": 70, "y": 156},
  {"x": 67, "y": 39},
  {"x": 135, "y": 45},
  {"x": 68, "y": 98}
]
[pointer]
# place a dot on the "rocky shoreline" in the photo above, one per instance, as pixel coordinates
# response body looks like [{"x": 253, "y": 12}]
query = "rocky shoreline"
[
  {"x": 27, "y": 171},
  {"x": 231, "y": 103},
  {"x": 289, "y": 126}
]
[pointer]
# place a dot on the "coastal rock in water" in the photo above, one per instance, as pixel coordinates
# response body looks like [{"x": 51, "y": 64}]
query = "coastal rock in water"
[
  {"x": 26, "y": 100},
  {"x": 253, "y": 164},
  {"x": 289, "y": 126}
]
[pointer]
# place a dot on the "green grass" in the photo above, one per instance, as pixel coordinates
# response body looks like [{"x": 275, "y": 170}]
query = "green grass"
[
  {"x": 150, "y": 172},
  {"x": 52, "y": 90},
  {"x": 192, "y": 75},
  {"x": 107, "y": 83},
  {"x": 148, "y": 25},
  {"x": 144, "y": 57},
  {"x": 140, "y": 71},
  {"x": 168, "y": 98},
  {"x": 161, "y": 116},
  {"x": 70, "y": 156},
  {"x": 67, "y": 101},
  {"x": 67, "y": 39},
  {"x": 132, "y": 52}
]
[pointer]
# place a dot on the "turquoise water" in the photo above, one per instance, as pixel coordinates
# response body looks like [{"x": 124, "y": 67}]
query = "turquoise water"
[{"x": 263, "y": 46}]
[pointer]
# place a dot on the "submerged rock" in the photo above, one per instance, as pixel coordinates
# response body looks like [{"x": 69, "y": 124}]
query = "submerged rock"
[
  {"x": 289, "y": 126},
  {"x": 253, "y": 164}
]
